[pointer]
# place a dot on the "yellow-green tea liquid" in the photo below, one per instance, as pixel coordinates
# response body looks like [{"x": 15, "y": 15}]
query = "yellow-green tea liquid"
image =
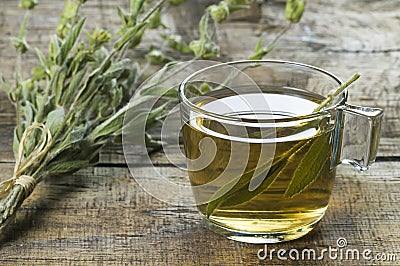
[{"x": 269, "y": 216}]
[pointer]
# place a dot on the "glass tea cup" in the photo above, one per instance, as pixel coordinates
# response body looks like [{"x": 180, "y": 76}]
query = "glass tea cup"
[{"x": 261, "y": 163}]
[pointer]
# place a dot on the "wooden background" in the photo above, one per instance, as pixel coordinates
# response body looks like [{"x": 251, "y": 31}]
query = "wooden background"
[{"x": 101, "y": 216}]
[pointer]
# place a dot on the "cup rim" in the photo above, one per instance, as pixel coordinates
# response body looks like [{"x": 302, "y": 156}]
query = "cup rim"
[{"x": 184, "y": 100}]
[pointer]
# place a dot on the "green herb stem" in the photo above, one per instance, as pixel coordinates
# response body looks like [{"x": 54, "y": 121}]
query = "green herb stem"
[
  {"x": 330, "y": 97},
  {"x": 153, "y": 10}
]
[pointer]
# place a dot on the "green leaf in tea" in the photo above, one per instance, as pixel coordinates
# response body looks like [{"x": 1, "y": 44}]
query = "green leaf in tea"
[
  {"x": 239, "y": 192},
  {"x": 238, "y": 183},
  {"x": 311, "y": 165}
]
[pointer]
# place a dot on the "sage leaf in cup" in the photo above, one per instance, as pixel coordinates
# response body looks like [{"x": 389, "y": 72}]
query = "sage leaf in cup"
[{"x": 311, "y": 165}]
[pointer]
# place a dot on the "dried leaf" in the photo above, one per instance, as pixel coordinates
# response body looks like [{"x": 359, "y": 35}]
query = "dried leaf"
[
  {"x": 54, "y": 120},
  {"x": 64, "y": 167},
  {"x": 69, "y": 42},
  {"x": 73, "y": 87},
  {"x": 59, "y": 83},
  {"x": 28, "y": 111},
  {"x": 15, "y": 143}
]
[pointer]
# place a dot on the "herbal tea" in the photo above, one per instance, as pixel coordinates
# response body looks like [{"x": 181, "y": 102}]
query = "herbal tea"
[{"x": 290, "y": 166}]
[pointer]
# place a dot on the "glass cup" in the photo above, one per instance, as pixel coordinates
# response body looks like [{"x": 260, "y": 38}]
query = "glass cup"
[{"x": 260, "y": 161}]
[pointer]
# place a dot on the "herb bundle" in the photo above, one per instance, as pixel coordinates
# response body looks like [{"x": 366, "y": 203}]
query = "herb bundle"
[{"x": 76, "y": 99}]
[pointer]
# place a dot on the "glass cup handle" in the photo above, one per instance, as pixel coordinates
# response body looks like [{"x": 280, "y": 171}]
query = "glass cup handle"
[{"x": 360, "y": 128}]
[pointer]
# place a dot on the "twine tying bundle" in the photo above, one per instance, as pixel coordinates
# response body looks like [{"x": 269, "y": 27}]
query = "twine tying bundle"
[{"x": 27, "y": 182}]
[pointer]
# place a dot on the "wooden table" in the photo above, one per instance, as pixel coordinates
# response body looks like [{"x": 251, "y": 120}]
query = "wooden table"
[{"x": 101, "y": 216}]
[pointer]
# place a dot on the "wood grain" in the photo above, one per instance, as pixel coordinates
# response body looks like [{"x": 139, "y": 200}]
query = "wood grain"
[{"x": 101, "y": 216}]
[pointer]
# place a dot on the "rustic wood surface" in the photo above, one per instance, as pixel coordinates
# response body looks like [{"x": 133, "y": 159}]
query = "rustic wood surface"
[{"x": 100, "y": 215}]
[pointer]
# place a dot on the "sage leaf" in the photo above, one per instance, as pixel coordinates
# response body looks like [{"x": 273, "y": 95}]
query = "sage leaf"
[
  {"x": 157, "y": 57},
  {"x": 204, "y": 47},
  {"x": 162, "y": 91},
  {"x": 61, "y": 167},
  {"x": 73, "y": 86},
  {"x": 54, "y": 48},
  {"x": 59, "y": 82},
  {"x": 54, "y": 120},
  {"x": 229, "y": 189},
  {"x": 28, "y": 111},
  {"x": 219, "y": 12},
  {"x": 15, "y": 143},
  {"x": 177, "y": 43},
  {"x": 155, "y": 21},
  {"x": 175, "y": 2},
  {"x": 128, "y": 35},
  {"x": 310, "y": 166},
  {"x": 44, "y": 63},
  {"x": 260, "y": 51},
  {"x": 244, "y": 194},
  {"x": 10, "y": 92},
  {"x": 69, "y": 43}
]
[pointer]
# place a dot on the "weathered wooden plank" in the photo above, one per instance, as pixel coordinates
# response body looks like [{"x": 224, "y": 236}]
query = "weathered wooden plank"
[{"x": 102, "y": 216}]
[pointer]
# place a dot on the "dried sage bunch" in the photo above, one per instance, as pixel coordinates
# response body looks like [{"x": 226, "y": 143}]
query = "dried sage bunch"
[{"x": 76, "y": 98}]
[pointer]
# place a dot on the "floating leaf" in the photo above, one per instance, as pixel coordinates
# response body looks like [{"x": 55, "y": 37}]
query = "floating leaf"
[{"x": 244, "y": 194}]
